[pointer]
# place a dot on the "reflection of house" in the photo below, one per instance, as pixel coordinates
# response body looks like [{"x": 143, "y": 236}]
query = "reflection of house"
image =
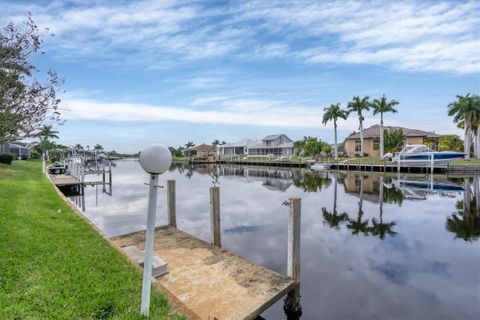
[
  {"x": 18, "y": 148},
  {"x": 370, "y": 185},
  {"x": 371, "y": 139},
  {"x": 277, "y": 144},
  {"x": 236, "y": 148}
]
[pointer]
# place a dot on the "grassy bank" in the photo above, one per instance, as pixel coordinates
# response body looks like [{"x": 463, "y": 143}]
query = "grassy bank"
[{"x": 53, "y": 264}]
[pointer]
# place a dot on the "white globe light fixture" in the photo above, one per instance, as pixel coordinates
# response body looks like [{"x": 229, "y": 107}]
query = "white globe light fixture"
[{"x": 154, "y": 159}]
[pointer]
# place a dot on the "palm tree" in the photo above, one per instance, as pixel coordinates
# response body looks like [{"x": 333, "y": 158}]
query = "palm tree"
[
  {"x": 333, "y": 112},
  {"x": 47, "y": 132},
  {"x": 215, "y": 143},
  {"x": 189, "y": 145},
  {"x": 382, "y": 106},
  {"x": 464, "y": 112},
  {"x": 98, "y": 147},
  {"x": 359, "y": 105}
]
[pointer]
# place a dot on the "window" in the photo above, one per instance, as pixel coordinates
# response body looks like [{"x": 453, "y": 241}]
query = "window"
[
  {"x": 376, "y": 144},
  {"x": 357, "y": 145}
]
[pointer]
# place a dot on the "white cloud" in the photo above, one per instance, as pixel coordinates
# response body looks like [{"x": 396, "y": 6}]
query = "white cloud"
[
  {"x": 271, "y": 115},
  {"x": 407, "y": 35}
]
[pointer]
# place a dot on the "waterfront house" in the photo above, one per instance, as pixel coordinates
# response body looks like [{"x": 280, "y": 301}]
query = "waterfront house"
[
  {"x": 239, "y": 148},
  {"x": 371, "y": 139},
  {"x": 205, "y": 150},
  {"x": 20, "y": 149},
  {"x": 276, "y": 144}
]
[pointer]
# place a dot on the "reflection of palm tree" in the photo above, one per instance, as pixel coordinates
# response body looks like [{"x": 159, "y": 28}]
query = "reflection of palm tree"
[
  {"x": 312, "y": 182},
  {"x": 466, "y": 227},
  {"x": 466, "y": 222},
  {"x": 359, "y": 225},
  {"x": 381, "y": 229},
  {"x": 333, "y": 219}
]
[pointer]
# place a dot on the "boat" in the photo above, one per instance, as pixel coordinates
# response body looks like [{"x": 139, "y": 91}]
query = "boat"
[
  {"x": 318, "y": 167},
  {"x": 421, "y": 154}
]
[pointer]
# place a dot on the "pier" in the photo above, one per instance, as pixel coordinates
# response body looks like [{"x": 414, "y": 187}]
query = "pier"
[
  {"x": 204, "y": 281},
  {"x": 450, "y": 169},
  {"x": 246, "y": 162}
]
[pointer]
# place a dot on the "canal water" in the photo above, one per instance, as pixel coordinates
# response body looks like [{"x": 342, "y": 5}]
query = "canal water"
[{"x": 372, "y": 246}]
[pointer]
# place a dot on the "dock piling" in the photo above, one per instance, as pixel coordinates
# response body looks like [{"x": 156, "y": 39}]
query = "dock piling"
[
  {"x": 172, "y": 218},
  {"x": 292, "y": 306},
  {"x": 215, "y": 215}
]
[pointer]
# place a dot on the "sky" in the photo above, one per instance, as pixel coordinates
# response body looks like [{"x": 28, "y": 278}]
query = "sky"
[{"x": 139, "y": 72}]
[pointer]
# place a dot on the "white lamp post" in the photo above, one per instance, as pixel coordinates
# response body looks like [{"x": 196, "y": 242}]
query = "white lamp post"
[{"x": 154, "y": 159}]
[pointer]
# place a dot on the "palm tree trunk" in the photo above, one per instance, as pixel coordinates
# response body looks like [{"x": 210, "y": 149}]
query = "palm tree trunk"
[
  {"x": 467, "y": 140},
  {"x": 477, "y": 140},
  {"x": 361, "y": 137},
  {"x": 381, "y": 135},
  {"x": 335, "y": 134}
]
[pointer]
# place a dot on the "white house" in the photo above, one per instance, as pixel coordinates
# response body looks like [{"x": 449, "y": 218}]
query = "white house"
[
  {"x": 18, "y": 148},
  {"x": 276, "y": 144},
  {"x": 239, "y": 148}
]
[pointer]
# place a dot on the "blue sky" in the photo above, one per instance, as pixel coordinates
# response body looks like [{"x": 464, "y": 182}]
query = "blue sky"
[{"x": 176, "y": 71}]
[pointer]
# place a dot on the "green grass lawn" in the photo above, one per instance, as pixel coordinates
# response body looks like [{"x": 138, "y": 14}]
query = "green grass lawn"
[
  {"x": 465, "y": 161},
  {"x": 54, "y": 265}
]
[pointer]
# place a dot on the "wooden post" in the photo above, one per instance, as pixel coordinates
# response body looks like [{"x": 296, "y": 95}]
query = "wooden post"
[
  {"x": 215, "y": 216},
  {"x": 292, "y": 307},
  {"x": 172, "y": 218}
]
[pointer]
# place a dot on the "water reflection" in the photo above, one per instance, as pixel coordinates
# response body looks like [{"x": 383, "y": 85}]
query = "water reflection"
[
  {"x": 376, "y": 241},
  {"x": 465, "y": 223}
]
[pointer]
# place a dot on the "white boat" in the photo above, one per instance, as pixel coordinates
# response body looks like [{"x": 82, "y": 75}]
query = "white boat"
[
  {"x": 421, "y": 154},
  {"x": 318, "y": 167}
]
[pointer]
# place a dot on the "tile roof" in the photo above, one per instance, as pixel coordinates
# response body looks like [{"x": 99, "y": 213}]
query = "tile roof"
[
  {"x": 374, "y": 132},
  {"x": 205, "y": 148}
]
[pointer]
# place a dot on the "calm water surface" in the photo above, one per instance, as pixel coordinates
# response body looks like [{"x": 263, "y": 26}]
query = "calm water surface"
[{"x": 412, "y": 255}]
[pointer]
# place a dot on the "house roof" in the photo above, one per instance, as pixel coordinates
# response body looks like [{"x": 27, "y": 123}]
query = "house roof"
[
  {"x": 272, "y": 137},
  {"x": 374, "y": 132},
  {"x": 205, "y": 148},
  {"x": 243, "y": 143}
]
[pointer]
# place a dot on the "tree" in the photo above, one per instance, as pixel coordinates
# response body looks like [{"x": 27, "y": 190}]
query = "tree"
[
  {"x": 465, "y": 111},
  {"x": 78, "y": 147},
  {"x": 26, "y": 104},
  {"x": 215, "y": 143},
  {"x": 47, "y": 132},
  {"x": 333, "y": 113},
  {"x": 450, "y": 143},
  {"x": 189, "y": 145},
  {"x": 98, "y": 147},
  {"x": 382, "y": 106},
  {"x": 359, "y": 106},
  {"x": 394, "y": 140}
]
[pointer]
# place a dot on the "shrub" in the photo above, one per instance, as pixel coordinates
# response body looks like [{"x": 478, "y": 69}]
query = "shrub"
[{"x": 6, "y": 158}]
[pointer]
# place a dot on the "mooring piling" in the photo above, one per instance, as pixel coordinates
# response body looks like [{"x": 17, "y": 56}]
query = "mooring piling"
[
  {"x": 215, "y": 215},
  {"x": 292, "y": 306},
  {"x": 171, "y": 206}
]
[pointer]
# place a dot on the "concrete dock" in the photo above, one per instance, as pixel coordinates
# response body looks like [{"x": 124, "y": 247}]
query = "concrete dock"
[{"x": 209, "y": 281}]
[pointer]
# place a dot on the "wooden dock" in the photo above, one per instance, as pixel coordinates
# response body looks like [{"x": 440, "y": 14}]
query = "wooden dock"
[
  {"x": 271, "y": 163},
  {"x": 63, "y": 180},
  {"x": 211, "y": 282},
  {"x": 451, "y": 169}
]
